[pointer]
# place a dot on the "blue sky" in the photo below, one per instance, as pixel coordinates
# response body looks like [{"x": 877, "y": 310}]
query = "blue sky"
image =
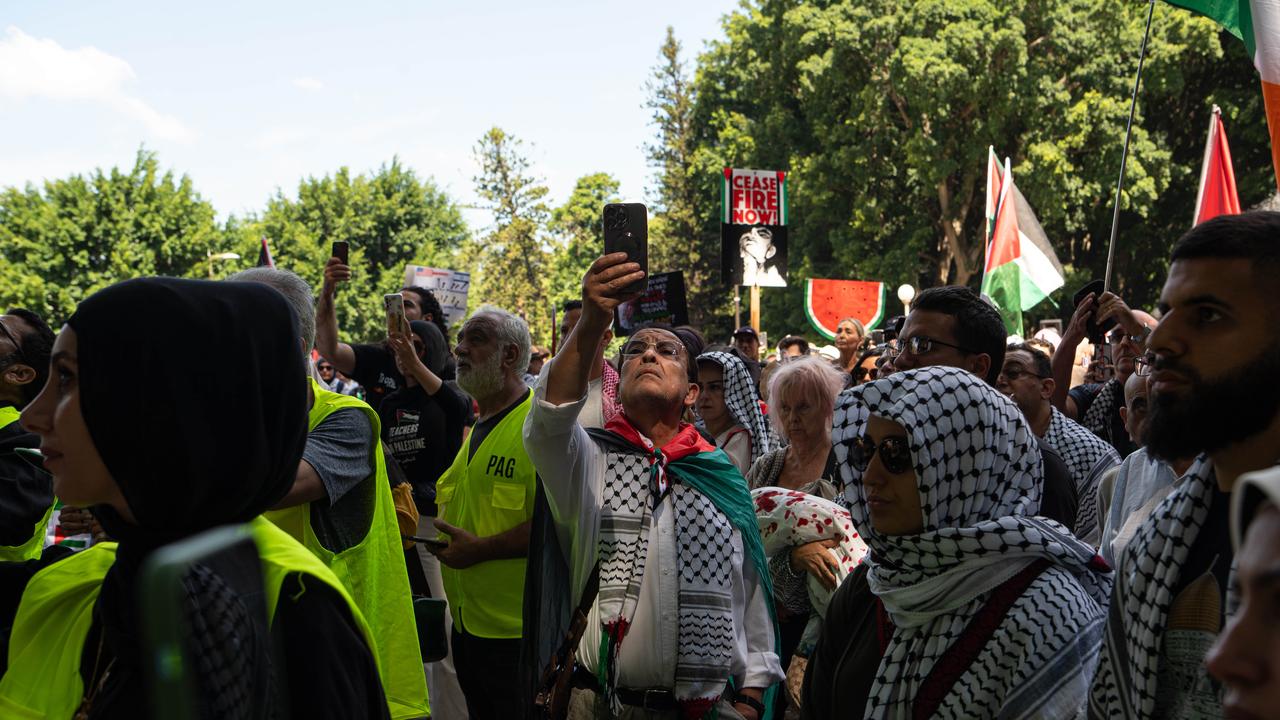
[{"x": 247, "y": 97}]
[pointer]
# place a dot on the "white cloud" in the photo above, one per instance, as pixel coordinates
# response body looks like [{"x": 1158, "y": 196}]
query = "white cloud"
[
  {"x": 41, "y": 68},
  {"x": 308, "y": 83}
]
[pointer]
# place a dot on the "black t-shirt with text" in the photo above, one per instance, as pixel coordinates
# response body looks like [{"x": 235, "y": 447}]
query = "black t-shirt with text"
[
  {"x": 376, "y": 370},
  {"x": 424, "y": 433}
]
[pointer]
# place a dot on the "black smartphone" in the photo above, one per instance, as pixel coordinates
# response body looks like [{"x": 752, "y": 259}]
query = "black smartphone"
[
  {"x": 1093, "y": 329},
  {"x": 433, "y": 543},
  {"x": 626, "y": 229},
  {"x": 340, "y": 250}
]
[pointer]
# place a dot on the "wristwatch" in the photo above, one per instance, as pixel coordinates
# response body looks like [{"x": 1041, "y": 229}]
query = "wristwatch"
[{"x": 1141, "y": 338}]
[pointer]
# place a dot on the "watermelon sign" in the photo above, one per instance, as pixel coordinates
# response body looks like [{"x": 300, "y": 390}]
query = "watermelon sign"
[{"x": 827, "y": 302}]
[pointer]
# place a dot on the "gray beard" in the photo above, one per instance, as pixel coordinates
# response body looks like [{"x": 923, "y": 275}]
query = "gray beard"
[{"x": 484, "y": 379}]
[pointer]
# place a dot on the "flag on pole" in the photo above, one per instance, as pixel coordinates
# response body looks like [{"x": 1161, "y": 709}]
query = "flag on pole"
[
  {"x": 1021, "y": 268},
  {"x": 1257, "y": 23},
  {"x": 264, "y": 254},
  {"x": 1217, "y": 195}
]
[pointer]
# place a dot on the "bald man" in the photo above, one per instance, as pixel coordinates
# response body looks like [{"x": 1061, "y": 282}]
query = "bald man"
[{"x": 1130, "y": 492}]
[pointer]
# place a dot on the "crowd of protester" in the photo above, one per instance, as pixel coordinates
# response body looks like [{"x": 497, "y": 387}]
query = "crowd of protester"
[{"x": 931, "y": 519}]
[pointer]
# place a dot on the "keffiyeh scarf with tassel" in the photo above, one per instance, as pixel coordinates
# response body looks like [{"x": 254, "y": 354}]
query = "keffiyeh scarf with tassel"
[
  {"x": 1148, "y": 571},
  {"x": 979, "y": 473},
  {"x": 711, "y": 502}
]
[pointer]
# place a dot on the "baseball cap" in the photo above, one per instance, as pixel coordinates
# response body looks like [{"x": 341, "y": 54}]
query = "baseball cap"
[{"x": 746, "y": 330}]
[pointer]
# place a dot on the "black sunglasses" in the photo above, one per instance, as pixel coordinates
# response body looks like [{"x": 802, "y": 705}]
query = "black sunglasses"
[
  {"x": 895, "y": 454},
  {"x": 17, "y": 348}
]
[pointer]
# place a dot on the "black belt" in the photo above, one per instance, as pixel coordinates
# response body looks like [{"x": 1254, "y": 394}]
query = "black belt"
[{"x": 657, "y": 699}]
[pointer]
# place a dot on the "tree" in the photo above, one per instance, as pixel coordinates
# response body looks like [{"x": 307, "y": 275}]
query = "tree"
[
  {"x": 685, "y": 234},
  {"x": 61, "y": 242},
  {"x": 391, "y": 219},
  {"x": 513, "y": 256},
  {"x": 883, "y": 110}
]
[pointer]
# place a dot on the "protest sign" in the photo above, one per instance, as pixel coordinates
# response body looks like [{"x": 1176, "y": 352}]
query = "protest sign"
[
  {"x": 753, "y": 235},
  {"x": 663, "y": 302},
  {"x": 449, "y": 286}
]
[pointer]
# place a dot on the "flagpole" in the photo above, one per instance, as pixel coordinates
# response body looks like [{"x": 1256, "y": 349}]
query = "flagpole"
[{"x": 1124, "y": 155}]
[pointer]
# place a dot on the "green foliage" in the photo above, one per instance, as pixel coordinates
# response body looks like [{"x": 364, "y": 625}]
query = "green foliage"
[
  {"x": 81, "y": 234},
  {"x": 684, "y": 229},
  {"x": 513, "y": 255},
  {"x": 391, "y": 219},
  {"x": 61, "y": 242},
  {"x": 579, "y": 234},
  {"x": 882, "y": 112}
]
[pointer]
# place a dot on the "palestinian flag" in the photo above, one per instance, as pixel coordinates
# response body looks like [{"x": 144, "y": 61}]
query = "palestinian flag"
[
  {"x": 1257, "y": 23},
  {"x": 264, "y": 255},
  {"x": 1021, "y": 268}
]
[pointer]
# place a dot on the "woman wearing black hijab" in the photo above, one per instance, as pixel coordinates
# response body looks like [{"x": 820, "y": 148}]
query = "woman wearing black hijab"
[{"x": 201, "y": 447}]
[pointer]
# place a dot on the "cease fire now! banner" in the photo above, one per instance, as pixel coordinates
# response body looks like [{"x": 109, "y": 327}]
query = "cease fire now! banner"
[{"x": 753, "y": 228}]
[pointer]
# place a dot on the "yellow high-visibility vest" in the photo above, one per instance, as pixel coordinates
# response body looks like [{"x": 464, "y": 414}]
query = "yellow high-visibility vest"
[
  {"x": 373, "y": 571},
  {"x": 56, "y": 612},
  {"x": 488, "y": 494}
]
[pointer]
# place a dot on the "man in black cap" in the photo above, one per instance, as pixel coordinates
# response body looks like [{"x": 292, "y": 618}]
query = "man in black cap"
[{"x": 747, "y": 341}]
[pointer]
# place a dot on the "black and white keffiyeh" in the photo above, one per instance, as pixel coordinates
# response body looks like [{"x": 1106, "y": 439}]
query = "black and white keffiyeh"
[
  {"x": 1087, "y": 457},
  {"x": 743, "y": 402},
  {"x": 1097, "y": 418},
  {"x": 980, "y": 474},
  {"x": 1147, "y": 574}
]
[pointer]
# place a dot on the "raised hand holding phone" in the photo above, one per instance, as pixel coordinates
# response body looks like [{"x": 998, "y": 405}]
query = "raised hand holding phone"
[
  {"x": 396, "y": 323},
  {"x": 626, "y": 229}
]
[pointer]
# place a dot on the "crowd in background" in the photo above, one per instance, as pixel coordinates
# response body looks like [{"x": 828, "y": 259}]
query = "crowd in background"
[{"x": 932, "y": 518}]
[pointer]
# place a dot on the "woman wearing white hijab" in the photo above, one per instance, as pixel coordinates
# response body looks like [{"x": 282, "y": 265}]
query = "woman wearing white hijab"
[{"x": 979, "y": 608}]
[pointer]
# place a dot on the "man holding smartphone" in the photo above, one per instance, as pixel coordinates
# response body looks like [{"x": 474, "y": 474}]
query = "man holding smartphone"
[
  {"x": 682, "y": 622},
  {"x": 371, "y": 365}
]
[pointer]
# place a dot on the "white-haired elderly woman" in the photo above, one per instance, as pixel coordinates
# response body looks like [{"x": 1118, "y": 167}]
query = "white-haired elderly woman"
[{"x": 802, "y": 396}]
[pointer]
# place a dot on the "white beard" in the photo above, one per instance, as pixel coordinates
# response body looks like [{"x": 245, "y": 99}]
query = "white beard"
[{"x": 484, "y": 379}]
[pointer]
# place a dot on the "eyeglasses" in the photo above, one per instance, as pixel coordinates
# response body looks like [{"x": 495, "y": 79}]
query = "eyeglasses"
[
  {"x": 895, "y": 454},
  {"x": 1013, "y": 373},
  {"x": 17, "y": 348},
  {"x": 922, "y": 345},
  {"x": 324, "y": 368},
  {"x": 665, "y": 348},
  {"x": 1143, "y": 364}
]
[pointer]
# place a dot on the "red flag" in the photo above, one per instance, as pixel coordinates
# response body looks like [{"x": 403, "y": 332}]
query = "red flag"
[
  {"x": 1217, "y": 194},
  {"x": 264, "y": 253}
]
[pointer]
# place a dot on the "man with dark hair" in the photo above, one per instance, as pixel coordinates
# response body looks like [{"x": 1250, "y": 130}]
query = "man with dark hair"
[
  {"x": 27, "y": 492},
  {"x": 747, "y": 342},
  {"x": 1216, "y": 354},
  {"x": 792, "y": 346},
  {"x": 371, "y": 365},
  {"x": 602, "y": 384},
  {"x": 954, "y": 326},
  {"x": 1027, "y": 378},
  {"x": 974, "y": 327}
]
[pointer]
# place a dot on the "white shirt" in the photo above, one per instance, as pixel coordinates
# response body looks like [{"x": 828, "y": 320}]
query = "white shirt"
[
  {"x": 736, "y": 443},
  {"x": 571, "y": 466},
  {"x": 1140, "y": 483}
]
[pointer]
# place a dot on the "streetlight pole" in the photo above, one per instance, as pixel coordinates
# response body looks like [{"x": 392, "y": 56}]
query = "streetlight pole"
[{"x": 906, "y": 293}]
